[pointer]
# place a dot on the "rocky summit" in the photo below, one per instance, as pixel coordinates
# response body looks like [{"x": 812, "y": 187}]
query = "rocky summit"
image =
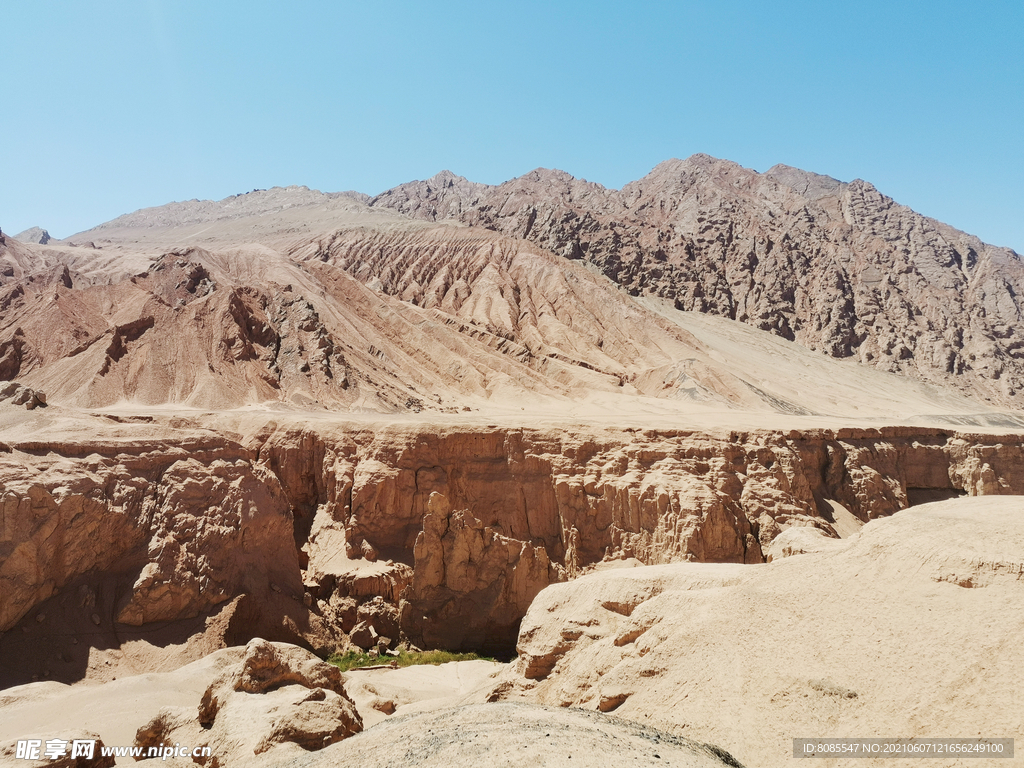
[
  {"x": 707, "y": 463},
  {"x": 837, "y": 267}
]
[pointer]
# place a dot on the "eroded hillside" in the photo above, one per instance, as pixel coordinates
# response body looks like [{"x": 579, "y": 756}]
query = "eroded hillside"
[
  {"x": 838, "y": 267},
  {"x": 118, "y": 528},
  {"x": 352, "y": 423}
]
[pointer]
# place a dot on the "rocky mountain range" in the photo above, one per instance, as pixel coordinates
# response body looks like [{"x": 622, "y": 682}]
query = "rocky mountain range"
[
  {"x": 838, "y": 267},
  {"x": 546, "y": 286}
]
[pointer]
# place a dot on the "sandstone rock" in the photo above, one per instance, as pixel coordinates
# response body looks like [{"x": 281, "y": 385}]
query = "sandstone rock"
[
  {"x": 382, "y": 691},
  {"x": 171, "y": 505},
  {"x": 172, "y": 725},
  {"x": 470, "y": 583},
  {"x": 22, "y": 395},
  {"x": 380, "y": 615},
  {"x": 801, "y": 644},
  {"x": 278, "y": 694},
  {"x": 507, "y": 734},
  {"x": 168, "y": 532},
  {"x": 364, "y": 635},
  {"x": 799, "y": 541},
  {"x": 269, "y": 665}
]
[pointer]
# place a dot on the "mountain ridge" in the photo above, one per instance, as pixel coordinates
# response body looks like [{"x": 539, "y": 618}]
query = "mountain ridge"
[{"x": 837, "y": 267}]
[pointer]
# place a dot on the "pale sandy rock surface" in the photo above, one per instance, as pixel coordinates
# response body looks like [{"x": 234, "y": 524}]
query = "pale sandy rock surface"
[
  {"x": 379, "y": 693},
  {"x": 277, "y": 694},
  {"x": 64, "y": 757},
  {"x": 799, "y": 540},
  {"x": 241, "y": 702},
  {"x": 113, "y": 710},
  {"x": 169, "y": 704},
  {"x": 513, "y": 735},
  {"x": 905, "y": 629}
]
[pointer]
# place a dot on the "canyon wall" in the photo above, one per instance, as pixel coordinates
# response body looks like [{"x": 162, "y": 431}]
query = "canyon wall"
[{"x": 439, "y": 535}]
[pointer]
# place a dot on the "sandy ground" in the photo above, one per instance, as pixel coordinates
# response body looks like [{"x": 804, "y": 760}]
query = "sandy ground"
[
  {"x": 512, "y": 736},
  {"x": 910, "y": 627},
  {"x": 420, "y": 688},
  {"x": 117, "y": 709}
]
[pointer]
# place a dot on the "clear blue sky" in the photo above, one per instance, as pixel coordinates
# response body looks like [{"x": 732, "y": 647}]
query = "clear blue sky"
[{"x": 113, "y": 106}]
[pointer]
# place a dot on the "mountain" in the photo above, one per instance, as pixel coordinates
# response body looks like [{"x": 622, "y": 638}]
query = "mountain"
[
  {"x": 306, "y": 300},
  {"x": 837, "y": 267},
  {"x": 36, "y": 235},
  {"x": 348, "y": 422}
]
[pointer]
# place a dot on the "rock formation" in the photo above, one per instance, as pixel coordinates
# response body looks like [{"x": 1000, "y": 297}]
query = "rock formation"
[
  {"x": 16, "y": 394},
  {"x": 278, "y": 694},
  {"x": 904, "y": 629},
  {"x": 338, "y": 305},
  {"x": 471, "y": 585},
  {"x": 340, "y": 422},
  {"x": 507, "y": 734},
  {"x": 838, "y": 267},
  {"x": 302, "y": 535},
  {"x": 36, "y": 235}
]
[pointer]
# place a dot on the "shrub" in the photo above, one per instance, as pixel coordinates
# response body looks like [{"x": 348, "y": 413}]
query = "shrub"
[{"x": 355, "y": 659}]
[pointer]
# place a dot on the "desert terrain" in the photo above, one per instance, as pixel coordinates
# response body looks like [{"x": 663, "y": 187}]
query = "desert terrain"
[{"x": 707, "y": 463}]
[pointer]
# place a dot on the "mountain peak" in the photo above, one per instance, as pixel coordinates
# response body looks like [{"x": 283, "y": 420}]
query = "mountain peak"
[
  {"x": 447, "y": 178},
  {"x": 34, "y": 235},
  {"x": 548, "y": 174}
]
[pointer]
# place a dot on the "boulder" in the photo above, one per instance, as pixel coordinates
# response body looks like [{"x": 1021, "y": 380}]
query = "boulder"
[{"x": 278, "y": 694}]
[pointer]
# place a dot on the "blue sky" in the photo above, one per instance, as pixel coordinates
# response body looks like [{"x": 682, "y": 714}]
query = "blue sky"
[{"x": 113, "y": 106}]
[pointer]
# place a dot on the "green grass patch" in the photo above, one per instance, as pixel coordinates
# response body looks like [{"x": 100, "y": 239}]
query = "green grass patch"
[{"x": 355, "y": 659}]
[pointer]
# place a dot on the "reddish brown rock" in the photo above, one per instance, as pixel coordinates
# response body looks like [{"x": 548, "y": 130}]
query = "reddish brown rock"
[{"x": 471, "y": 584}]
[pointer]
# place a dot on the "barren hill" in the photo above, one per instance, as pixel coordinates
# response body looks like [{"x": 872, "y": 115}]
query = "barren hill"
[
  {"x": 306, "y": 300},
  {"x": 838, "y": 267}
]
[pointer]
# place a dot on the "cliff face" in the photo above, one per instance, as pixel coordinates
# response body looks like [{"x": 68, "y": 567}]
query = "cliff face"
[
  {"x": 837, "y": 267},
  {"x": 457, "y": 529}
]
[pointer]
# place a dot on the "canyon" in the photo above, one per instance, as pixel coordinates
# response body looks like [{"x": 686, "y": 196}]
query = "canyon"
[{"x": 454, "y": 416}]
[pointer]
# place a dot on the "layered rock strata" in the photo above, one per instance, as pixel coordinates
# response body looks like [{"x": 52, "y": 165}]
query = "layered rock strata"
[{"x": 440, "y": 536}]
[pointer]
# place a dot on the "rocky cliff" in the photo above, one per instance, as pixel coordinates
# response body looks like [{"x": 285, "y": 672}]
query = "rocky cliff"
[{"x": 441, "y": 535}]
